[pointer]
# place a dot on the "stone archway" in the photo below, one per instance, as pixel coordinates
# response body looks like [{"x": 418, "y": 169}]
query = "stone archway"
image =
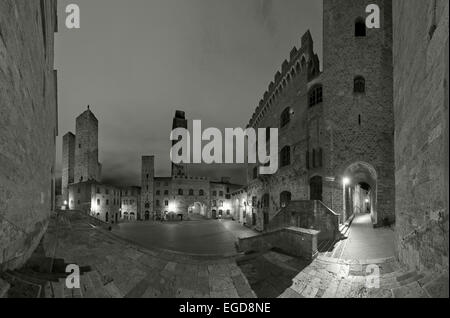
[{"x": 360, "y": 190}]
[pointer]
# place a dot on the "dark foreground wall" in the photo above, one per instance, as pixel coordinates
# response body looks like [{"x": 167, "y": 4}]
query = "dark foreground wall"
[
  {"x": 421, "y": 132},
  {"x": 28, "y": 125}
]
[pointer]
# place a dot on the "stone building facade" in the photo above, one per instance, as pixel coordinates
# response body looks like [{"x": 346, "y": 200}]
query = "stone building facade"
[
  {"x": 336, "y": 126},
  {"x": 28, "y": 126},
  {"x": 130, "y": 208},
  {"x": 181, "y": 196},
  {"x": 421, "y": 85},
  {"x": 239, "y": 199},
  {"x": 96, "y": 199}
]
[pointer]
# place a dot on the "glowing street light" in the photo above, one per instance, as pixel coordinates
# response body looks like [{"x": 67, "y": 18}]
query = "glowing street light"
[{"x": 346, "y": 181}]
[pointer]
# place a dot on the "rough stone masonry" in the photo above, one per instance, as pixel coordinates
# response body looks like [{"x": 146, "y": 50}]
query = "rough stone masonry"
[
  {"x": 28, "y": 125},
  {"x": 421, "y": 132}
]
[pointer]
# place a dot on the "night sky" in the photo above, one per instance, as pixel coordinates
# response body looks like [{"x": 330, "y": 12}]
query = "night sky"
[{"x": 137, "y": 61}]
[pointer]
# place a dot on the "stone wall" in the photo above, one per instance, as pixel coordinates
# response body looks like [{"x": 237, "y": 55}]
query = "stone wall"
[
  {"x": 287, "y": 91},
  {"x": 358, "y": 127},
  {"x": 68, "y": 164},
  {"x": 292, "y": 240},
  {"x": 309, "y": 215},
  {"x": 28, "y": 126},
  {"x": 421, "y": 132}
]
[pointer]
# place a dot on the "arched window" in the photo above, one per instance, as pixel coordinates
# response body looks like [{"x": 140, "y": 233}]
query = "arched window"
[
  {"x": 285, "y": 117},
  {"x": 315, "y": 95},
  {"x": 180, "y": 191},
  {"x": 191, "y": 192},
  {"x": 285, "y": 198},
  {"x": 201, "y": 193},
  {"x": 285, "y": 155},
  {"x": 359, "y": 84},
  {"x": 360, "y": 28}
]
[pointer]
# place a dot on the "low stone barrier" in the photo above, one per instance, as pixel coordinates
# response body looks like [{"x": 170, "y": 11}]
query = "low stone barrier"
[{"x": 292, "y": 240}]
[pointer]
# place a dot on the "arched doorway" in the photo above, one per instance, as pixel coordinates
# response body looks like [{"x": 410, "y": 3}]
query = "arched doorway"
[
  {"x": 147, "y": 215},
  {"x": 316, "y": 188},
  {"x": 360, "y": 190},
  {"x": 107, "y": 217}
]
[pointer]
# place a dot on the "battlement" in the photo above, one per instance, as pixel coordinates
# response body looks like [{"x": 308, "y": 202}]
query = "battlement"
[
  {"x": 190, "y": 178},
  {"x": 300, "y": 60}
]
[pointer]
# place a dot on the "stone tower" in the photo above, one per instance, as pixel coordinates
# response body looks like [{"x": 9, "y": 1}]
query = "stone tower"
[
  {"x": 86, "y": 148},
  {"x": 68, "y": 164},
  {"x": 358, "y": 122},
  {"x": 179, "y": 121},
  {"x": 147, "y": 178}
]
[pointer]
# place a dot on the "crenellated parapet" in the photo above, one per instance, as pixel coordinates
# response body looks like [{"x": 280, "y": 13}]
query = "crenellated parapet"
[{"x": 301, "y": 61}]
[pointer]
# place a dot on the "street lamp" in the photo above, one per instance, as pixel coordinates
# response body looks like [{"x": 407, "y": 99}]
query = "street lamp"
[{"x": 345, "y": 181}]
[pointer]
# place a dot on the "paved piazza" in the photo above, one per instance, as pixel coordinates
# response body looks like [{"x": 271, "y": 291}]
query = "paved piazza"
[
  {"x": 113, "y": 267},
  {"x": 203, "y": 237}
]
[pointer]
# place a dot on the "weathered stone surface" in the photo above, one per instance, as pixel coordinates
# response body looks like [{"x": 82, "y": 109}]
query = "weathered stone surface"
[
  {"x": 421, "y": 132},
  {"x": 28, "y": 125}
]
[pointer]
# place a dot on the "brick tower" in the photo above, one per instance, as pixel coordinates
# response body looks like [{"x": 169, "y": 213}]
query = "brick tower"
[
  {"x": 86, "y": 148},
  {"x": 179, "y": 121},
  {"x": 147, "y": 181},
  {"x": 68, "y": 164},
  {"x": 358, "y": 122}
]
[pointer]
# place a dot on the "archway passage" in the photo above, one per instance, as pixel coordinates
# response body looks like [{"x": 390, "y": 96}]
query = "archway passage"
[
  {"x": 360, "y": 191},
  {"x": 147, "y": 215},
  {"x": 316, "y": 189},
  {"x": 197, "y": 209}
]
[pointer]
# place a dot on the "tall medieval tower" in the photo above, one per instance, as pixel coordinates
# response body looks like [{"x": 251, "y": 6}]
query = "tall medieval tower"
[
  {"x": 179, "y": 121},
  {"x": 358, "y": 124},
  {"x": 87, "y": 166},
  {"x": 147, "y": 181},
  {"x": 68, "y": 164}
]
